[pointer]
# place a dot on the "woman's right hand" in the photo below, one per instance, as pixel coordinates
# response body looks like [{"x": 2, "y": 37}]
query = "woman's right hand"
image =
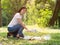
[{"x": 28, "y": 30}]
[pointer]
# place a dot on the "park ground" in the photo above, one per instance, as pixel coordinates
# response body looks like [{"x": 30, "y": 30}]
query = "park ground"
[{"x": 54, "y": 33}]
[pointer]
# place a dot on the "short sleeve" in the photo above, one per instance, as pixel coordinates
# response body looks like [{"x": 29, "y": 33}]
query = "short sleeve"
[{"x": 17, "y": 15}]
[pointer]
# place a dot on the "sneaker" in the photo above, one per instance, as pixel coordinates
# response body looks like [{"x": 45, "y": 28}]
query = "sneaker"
[{"x": 9, "y": 34}]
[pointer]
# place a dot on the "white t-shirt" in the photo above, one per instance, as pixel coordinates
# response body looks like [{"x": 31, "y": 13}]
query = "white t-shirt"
[{"x": 14, "y": 20}]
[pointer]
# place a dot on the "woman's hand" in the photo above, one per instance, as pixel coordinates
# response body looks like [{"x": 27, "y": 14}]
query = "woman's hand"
[{"x": 28, "y": 30}]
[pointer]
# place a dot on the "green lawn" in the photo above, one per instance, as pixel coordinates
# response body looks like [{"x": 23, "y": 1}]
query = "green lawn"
[{"x": 55, "y": 39}]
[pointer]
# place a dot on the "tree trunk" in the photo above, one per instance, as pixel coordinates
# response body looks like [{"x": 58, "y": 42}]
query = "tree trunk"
[
  {"x": 55, "y": 13},
  {"x": 0, "y": 15}
]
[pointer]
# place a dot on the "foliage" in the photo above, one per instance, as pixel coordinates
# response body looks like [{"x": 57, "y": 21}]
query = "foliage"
[{"x": 38, "y": 12}]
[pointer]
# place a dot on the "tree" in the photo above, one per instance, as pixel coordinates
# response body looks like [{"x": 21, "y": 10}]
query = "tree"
[
  {"x": 55, "y": 13},
  {"x": 0, "y": 15}
]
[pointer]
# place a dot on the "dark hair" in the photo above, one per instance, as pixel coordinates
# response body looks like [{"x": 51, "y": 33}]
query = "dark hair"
[{"x": 22, "y": 8}]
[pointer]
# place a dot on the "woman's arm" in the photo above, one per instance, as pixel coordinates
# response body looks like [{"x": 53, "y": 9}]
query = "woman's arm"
[{"x": 21, "y": 23}]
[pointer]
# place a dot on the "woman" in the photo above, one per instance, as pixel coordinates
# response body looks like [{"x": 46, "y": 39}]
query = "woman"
[{"x": 16, "y": 25}]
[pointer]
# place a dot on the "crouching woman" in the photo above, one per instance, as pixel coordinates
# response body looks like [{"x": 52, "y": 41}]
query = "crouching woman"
[{"x": 16, "y": 24}]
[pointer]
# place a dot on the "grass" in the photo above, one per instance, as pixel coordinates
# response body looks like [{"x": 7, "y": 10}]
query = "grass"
[
  {"x": 13, "y": 41},
  {"x": 55, "y": 37}
]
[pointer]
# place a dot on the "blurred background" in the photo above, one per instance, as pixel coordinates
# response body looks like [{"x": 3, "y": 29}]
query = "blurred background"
[
  {"x": 42, "y": 16},
  {"x": 39, "y": 12}
]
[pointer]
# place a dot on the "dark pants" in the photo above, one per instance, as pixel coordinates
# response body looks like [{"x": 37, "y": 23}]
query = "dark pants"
[{"x": 17, "y": 28}]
